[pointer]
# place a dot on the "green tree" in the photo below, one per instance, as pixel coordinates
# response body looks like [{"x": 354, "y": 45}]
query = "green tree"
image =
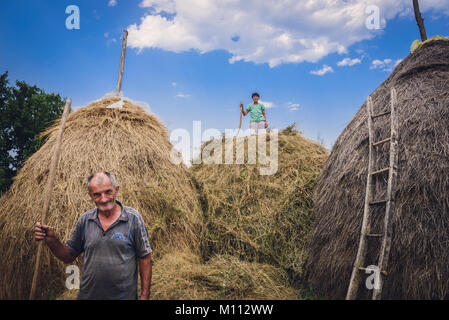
[{"x": 25, "y": 111}]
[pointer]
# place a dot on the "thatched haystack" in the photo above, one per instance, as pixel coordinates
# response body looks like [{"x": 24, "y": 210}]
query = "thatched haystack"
[
  {"x": 181, "y": 275},
  {"x": 418, "y": 265},
  {"x": 128, "y": 142},
  {"x": 262, "y": 218}
]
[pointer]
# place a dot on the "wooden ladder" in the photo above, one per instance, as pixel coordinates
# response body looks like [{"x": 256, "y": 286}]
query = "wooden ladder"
[{"x": 389, "y": 203}]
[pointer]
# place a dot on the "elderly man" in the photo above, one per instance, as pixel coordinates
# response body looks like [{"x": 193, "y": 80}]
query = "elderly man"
[{"x": 113, "y": 238}]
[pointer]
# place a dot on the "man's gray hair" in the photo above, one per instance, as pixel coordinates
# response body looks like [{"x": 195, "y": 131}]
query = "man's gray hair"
[{"x": 109, "y": 175}]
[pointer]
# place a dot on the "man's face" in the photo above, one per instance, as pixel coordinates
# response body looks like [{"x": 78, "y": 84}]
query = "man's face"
[
  {"x": 103, "y": 193},
  {"x": 256, "y": 99}
]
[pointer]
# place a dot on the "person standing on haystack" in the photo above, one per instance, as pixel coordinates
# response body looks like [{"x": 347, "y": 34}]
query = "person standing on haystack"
[
  {"x": 258, "y": 119},
  {"x": 113, "y": 238}
]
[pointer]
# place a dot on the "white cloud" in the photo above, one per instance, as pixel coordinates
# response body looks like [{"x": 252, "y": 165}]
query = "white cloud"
[
  {"x": 376, "y": 64},
  {"x": 182, "y": 95},
  {"x": 158, "y": 6},
  {"x": 112, "y": 3},
  {"x": 266, "y": 104},
  {"x": 348, "y": 62},
  {"x": 385, "y": 65},
  {"x": 438, "y": 6},
  {"x": 174, "y": 84},
  {"x": 325, "y": 69},
  {"x": 293, "y": 106},
  {"x": 106, "y": 35},
  {"x": 111, "y": 41},
  {"x": 272, "y": 32}
]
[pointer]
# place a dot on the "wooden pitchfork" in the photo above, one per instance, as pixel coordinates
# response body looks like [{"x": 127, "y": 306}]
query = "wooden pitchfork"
[{"x": 47, "y": 193}]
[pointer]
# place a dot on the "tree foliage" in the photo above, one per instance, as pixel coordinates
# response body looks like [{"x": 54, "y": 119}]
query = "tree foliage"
[{"x": 25, "y": 111}]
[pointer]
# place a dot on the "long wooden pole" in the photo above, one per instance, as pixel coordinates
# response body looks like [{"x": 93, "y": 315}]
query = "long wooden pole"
[
  {"x": 122, "y": 63},
  {"x": 47, "y": 193},
  {"x": 366, "y": 228},
  {"x": 240, "y": 124},
  {"x": 419, "y": 21}
]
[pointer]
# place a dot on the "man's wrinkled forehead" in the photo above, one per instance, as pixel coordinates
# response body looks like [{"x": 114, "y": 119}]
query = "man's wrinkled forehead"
[{"x": 100, "y": 179}]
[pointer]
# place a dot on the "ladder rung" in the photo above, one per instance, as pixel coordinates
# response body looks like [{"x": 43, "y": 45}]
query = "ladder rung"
[
  {"x": 380, "y": 114},
  {"x": 380, "y": 171},
  {"x": 381, "y": 142},
  {"x": 373, "y": 203},
  {"x": 374, "y": 235}
]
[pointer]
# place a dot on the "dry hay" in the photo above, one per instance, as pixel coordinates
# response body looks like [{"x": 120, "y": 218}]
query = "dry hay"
[
  {"x": 128, "y": 142},
  {"x": 418, "y": 265},
  {"x": 181, "y": 275},
  {"x": 262, "y": 218}
]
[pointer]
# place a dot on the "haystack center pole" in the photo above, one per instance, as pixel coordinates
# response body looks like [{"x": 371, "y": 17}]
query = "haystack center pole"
[
  {"x": 122, "y": 63},
  {"x": 47, "y": 193},
  {"x": 419, "y": 21}
]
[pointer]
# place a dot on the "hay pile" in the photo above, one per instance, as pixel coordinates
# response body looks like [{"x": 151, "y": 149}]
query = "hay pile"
[
  {"x": 181, "y": 275},
  {"x": 262, "y": 218},
  {"x": 418, "y": 265},
  {"x": 128, "y": 142}
]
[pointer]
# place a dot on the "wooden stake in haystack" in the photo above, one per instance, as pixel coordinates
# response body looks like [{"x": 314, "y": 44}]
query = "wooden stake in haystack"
[
  {"x": 419, "y": 21},
  {"x": 122, "y": 63},
  {"x": 47, "y": 193}
]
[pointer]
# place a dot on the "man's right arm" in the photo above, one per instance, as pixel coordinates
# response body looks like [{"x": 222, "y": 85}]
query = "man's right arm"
[{"x": 46, "y": 233}]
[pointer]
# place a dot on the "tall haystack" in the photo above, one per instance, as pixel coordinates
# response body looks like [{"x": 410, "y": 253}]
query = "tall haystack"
[
  {"x": 262, "y": 218},
  {"x": 126, "y": 141},
  {"x": 418, "y": 264}
]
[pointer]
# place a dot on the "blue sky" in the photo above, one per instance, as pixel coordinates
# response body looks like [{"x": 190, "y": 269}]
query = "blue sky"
[{"x": 226, "y": 53}]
